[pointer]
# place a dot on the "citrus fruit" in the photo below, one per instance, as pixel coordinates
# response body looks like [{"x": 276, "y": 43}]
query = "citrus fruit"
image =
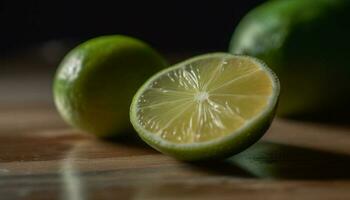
[
  {"x": 307, "y": 44},
  {"x": 210, "y": 106},
  {"x": 96, "y": 81}
]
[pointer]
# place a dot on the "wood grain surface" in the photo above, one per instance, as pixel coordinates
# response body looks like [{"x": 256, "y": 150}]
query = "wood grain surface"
[{"x": 42, "y": 158}]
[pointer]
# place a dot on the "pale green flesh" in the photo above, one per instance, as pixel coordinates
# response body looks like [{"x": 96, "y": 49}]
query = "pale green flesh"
[{"x": 204, "y": 99}]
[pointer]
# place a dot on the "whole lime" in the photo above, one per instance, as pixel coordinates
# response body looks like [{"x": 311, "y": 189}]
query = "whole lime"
[
  {"x": 96, "y": 81},
  {"x": 307, "y": 44}
]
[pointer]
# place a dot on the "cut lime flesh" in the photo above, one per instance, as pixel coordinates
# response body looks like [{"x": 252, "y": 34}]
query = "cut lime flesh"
[{"x": 203, "y": 104}]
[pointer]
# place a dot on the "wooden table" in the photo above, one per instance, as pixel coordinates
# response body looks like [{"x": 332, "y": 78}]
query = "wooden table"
[{"x": 42, "y": 158}]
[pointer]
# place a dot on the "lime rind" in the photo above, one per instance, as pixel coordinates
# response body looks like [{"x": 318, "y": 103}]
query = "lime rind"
[
  {"x": 243, "y": 137},
  {"x": 84, "y": 86}
]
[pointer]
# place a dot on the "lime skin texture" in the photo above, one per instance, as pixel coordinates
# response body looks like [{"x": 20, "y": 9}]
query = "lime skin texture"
[
  {"x": 94, "y": 84},
  {"x": 307, "y": 44}
]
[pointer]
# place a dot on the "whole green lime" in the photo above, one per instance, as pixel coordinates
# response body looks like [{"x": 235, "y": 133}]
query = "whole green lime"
[
  {"x": 96, "y": 81},
  {"x": 307, "y": 44}
]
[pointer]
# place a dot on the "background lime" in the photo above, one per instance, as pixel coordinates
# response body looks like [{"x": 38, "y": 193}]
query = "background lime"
[
  {"x": 307, "y": 44},
  {"x": 95, "y": 82}
]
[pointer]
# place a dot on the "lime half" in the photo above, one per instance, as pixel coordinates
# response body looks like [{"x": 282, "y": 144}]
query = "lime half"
[{"x": 210, "y": 106}]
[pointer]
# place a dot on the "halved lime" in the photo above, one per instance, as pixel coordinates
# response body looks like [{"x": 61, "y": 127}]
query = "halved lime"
[{"x": 210, "y": 106}]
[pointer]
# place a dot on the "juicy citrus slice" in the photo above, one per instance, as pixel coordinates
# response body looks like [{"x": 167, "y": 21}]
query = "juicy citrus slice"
[{"x": 209, "y": 106}]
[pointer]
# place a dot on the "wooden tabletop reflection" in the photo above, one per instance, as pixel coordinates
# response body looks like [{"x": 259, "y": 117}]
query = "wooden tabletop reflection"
[{"x": 42, "y": 158}]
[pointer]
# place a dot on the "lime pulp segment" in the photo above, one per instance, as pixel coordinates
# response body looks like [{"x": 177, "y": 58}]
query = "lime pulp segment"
[{"x": 204, "y": 99}]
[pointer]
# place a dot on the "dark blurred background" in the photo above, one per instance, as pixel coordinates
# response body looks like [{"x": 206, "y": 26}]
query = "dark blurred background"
[
  {"x": 170, "y": 26},
  {"x": 34, "y": 36}
]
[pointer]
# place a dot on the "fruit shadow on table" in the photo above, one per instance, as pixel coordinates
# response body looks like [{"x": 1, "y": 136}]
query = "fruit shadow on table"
[
  {"x": 129, "y": 138},
  {"x": 268, "y": 160}
]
